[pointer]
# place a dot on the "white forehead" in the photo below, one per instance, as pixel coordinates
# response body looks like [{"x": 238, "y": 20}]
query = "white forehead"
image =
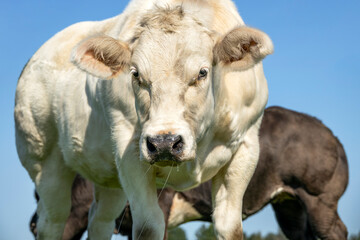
[{"x": 171, "y": 39}]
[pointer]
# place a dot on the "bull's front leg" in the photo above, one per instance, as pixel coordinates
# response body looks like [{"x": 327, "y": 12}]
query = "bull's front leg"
[
  {"x": 138, "y": 181},
  {"x": 228, "y": 188}
]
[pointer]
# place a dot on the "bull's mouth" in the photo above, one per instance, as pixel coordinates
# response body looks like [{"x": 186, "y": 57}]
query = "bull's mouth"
[{"x": 166, "y": 163}]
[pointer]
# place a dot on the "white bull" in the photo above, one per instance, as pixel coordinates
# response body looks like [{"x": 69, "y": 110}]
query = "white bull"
[{"x": 167, "y": 93}]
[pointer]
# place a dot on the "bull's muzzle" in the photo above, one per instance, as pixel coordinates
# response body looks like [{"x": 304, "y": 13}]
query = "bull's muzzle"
[{"x": 165, "y": 149}]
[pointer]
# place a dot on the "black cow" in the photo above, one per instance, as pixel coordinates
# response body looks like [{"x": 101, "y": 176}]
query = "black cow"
[{"x": 302, "y": 172}]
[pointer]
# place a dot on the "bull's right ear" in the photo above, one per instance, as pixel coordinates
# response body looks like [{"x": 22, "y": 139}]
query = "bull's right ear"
[
  {"x": 242, "y": 48},
  {"x": 102, "y": 56}
]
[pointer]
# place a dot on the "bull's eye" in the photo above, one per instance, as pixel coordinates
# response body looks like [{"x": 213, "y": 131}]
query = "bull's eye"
[
  {"x": 203, "y": 73},
  {"x": 136, "y": 76},
  {"x": 201, "y": 76},
  {"x": 134, "y": 72}
]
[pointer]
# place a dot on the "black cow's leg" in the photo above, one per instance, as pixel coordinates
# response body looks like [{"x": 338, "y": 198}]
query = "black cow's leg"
[
  {"x": 292, "y": 218},
  {"x": 81, "y": 199},
  {"x": 324, "y": 218},
  {"x": 33, "y": 222}
]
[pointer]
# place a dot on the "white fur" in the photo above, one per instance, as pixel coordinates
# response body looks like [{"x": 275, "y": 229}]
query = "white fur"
[
  {"x": 68, "y": 121},
  {"x": 181, "y": 212}
]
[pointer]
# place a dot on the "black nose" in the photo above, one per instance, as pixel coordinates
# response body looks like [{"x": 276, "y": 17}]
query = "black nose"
[{"x": 165, "y": 147}]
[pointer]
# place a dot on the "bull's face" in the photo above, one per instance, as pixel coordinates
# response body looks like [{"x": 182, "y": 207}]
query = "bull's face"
[
  {"x": 171, "y": 60},
  {"x": 171, "y": 71}
]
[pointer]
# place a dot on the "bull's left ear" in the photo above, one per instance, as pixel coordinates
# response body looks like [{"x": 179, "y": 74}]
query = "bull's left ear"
[
  {"x": 102, "y": 56},
  {"x": 242, "y": 48}
]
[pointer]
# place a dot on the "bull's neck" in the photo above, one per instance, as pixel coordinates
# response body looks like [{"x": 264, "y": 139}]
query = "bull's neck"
[{"x": 240, "y": 99}]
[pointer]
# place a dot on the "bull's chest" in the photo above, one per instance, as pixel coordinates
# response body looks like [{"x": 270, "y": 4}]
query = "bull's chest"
[
  {"x": 86, "y": 144},
  {"x": 91, "y": 155},
  {"x": 96, "y": 166}
]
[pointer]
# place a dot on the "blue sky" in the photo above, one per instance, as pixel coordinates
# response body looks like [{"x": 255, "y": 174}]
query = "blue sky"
[{"x": 314, "y": 70}]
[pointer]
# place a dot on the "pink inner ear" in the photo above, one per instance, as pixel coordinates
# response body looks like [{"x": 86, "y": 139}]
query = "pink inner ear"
[{"x": 93, "y": 65}]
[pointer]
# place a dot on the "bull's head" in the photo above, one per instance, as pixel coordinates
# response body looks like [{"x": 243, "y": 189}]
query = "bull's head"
[{"x": 172, "y": 57}]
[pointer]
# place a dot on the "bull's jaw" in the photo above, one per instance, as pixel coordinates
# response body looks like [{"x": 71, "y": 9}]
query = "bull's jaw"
[{"x": 210, "y": 157}]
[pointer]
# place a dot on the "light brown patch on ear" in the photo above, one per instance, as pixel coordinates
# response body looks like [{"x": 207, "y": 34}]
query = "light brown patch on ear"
[
  {"x": 102, "y": 56},
  {"x": 242, "y": 48}
]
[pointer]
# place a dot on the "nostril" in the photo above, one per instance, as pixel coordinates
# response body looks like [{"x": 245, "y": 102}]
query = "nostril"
[
  {"x": 151, "y": 147},
  {"x": 178, "y": 145}
]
